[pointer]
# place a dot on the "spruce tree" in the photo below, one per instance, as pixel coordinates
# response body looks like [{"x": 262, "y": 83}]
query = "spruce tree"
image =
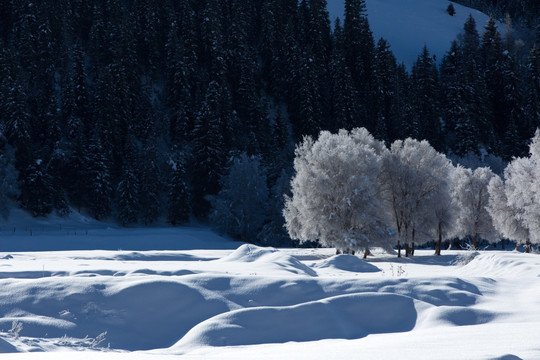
[
  {"x": 344, "y": 98},
  {"x": 424, "y": 95},
  {"x": 455, "y": 116},
  {"x": 491, "y": 50},
  {"x": 36, "y": 189},
  {"x": 128, "y": 189},
  {"x": 209, "y": 152},
  {"x": 386, "y": 90},
  {"x": 99, "y": 188},
  {"x": 178, "y": 195}
]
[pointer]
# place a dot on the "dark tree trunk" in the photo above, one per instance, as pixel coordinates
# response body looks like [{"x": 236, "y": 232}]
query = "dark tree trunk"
[
  {"x": 366, "y": 253},
  {"x": 439, "y": 242},
  {"x": 502, "y": 244},
  {"x": 475, "y": 241},
  {"x": 407, "y": 250},
  {"x": 398, "y": 249},
  {"x": 412, "y": 248}
]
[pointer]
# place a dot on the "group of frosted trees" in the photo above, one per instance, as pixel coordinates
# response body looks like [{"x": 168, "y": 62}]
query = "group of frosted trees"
[{"x": 352, "y": 192}]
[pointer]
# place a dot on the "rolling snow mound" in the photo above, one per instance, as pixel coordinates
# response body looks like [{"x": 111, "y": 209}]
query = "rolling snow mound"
[
  {"x": 350, "y": 316},
  {"x": 347, "y": 263},
  {"x": 509, "y": 264},
  {"x": 268, "y": 258}
]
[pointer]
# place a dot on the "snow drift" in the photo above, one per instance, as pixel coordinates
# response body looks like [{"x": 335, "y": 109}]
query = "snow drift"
[
  {"x": 347, "y": 317},
  {"x": 347, "y": 263}
]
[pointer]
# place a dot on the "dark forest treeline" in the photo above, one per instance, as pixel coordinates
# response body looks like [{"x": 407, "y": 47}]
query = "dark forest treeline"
[{"x": 141, "y": 109}]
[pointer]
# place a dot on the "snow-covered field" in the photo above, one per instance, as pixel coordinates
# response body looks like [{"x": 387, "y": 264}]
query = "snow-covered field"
[
  {"x": 408, "y": 25},
  {"x": 213, "y": 298}
]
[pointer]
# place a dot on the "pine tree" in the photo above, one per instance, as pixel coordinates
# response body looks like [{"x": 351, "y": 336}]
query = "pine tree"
[
  {"x": 424, "y": 94},
  {"x": 273, "y": 232},
  {"x": 178, "y": 195},
  {"x": 36, "y": 189},
  {"x": 128, "y": 189},
  {"x": 239, "y": 209},
  {"x": 182, "y": 77},
  {"x": 533, "y": 99},
  {"x": 150, "y": 185},
  {"x": 359, "y": 53},
  {"x": 99, "y": 188},
  {"x": 455, "y": 115},
  {"x": 209, "y": 152},
  {"x": 9, "y": 189},
  {"x": 344, "y": 108},
  {"x": 492, "y": 55},
  {"x": 451, "y": 10},
  {"x": 386, "y": 90}
]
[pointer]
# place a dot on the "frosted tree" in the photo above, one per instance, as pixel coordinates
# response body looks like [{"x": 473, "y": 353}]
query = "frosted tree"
[
  {"x": 335, "y": 193},
  {"x": 414, "y": 183},
  {"x": 523, "y": 190},
  {"x": 507, "y": 219},
  {"x": 443, "y": 211},
  {"x": 471, "y": 195},
  {"x": 239, "y": 209}
]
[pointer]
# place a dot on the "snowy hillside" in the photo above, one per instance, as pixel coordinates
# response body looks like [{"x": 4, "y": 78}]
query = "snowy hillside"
[
  {"x": 408, "y": 25},
  {"x": 247, "y": 302}
]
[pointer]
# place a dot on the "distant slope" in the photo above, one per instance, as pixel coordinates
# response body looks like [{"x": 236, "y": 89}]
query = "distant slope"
[
  {"x": 408, "y": 25},
  {"x": 22, "y": 232}
]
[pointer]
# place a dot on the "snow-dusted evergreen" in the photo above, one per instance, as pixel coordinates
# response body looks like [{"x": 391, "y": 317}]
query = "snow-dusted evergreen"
[{"x": 239, "y": 209}]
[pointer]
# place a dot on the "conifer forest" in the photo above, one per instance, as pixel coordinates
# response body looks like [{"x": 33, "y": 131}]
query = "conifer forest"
[{"x": 186, "y": 110}]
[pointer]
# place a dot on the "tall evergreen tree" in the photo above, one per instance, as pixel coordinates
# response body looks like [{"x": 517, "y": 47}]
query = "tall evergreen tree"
[
  {"x": 209, "y": 152},
  {"x": 178, "y": 195},
  {"x": 36, "y": 189},
  {"x": 359, "y": 53},
  {"x": 455, "y": 116},
  {"x": 424, "y": 95},
  {"x": 344, "y": 98},
  {"x": 99, "y": 189},
  {"x": 128, "y": 189},
  {"x": 386, "y": 91},
  {"x": 533, "y": 98}
]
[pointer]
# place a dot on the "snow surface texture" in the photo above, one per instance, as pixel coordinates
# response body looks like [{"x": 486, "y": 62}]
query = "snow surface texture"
[
  {"x": 408, "y": 25},
  {"x": 218, "y": 299}
]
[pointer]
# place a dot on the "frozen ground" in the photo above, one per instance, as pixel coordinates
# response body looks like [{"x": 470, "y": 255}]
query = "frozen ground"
[
  {"x": 213, "y": 298},
  {"x": 408, "y": 25}
]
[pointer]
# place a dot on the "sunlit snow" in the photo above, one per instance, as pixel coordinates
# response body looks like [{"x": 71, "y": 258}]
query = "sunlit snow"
[
  {"x": 209, "y": 297},
  {"x": 408, "y": 25}
]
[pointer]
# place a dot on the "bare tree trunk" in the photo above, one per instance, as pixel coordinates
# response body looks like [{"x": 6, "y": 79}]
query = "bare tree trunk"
[
  {"x": 366, "y": 253},
  {"x": 407, "y": 250},
  {"x": 412, "y": 242},
  {"x": 528, "y": 246},
  {"x": 398, "y": 249},
  {"x": 439, "y": 241},
  {"x": 475, "y": 241}
]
